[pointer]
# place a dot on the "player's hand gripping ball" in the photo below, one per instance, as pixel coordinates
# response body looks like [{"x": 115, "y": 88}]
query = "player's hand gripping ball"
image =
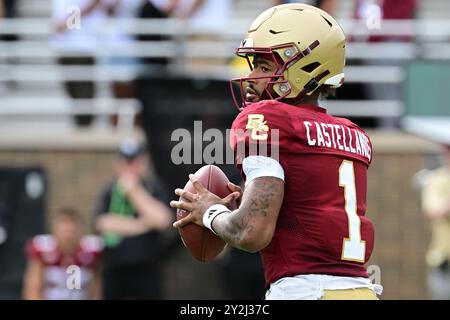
[{"x": 203, "y": 244}]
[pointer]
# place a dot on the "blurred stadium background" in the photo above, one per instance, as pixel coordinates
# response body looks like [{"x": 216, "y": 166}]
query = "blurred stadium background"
[{"x": 396, "y": 89}]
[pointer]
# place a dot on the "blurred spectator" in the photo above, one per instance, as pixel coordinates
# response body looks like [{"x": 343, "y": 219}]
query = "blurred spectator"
[
  {"x": 8, "y": 10},
  {"x": 206, "y": 21},
  {"x": 76, "y": 25},
  {"x": 154, "y": 66},
  {"x": 388, "y": 10},
  {"x": 121, "y": 12},
  {"x": 436, "y": 206},
  {"x": 131, "y": 215},
  {"x": 368, "y": 12},
  {"x": 156, "y": 9},
  {"x": 210, "y": 15},
  {"x": 63, "y": 265}
]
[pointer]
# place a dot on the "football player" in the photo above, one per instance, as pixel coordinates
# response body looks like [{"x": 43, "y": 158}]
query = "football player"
[
  {"x": 64, "y": 265},
  {"x": 304, "y": 205}
]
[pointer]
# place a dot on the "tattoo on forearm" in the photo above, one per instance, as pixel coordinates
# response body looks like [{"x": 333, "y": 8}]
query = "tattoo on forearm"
[
  {"x": 236, "y": 228},
  {"x": 241, "y": 223},
  {"x": 264, "y": 191}
]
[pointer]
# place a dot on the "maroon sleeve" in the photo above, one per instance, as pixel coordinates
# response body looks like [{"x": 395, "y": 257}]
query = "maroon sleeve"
[
  {"x": 93, "y": 245},
  {"x": 31, "y": 250}
]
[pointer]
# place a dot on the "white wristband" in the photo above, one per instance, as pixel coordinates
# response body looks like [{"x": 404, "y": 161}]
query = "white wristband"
[{"x": 211, "y": 213}]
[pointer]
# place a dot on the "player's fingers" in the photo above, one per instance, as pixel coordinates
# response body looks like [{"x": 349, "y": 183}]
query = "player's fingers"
[
  {"x": 232, "y": 187},
  {"x": 196, "y": 183},
  {"x": 232, "y": 196},
  {"x": 182, "y": 222},
  {"x": 181, "y": 205},
  {"x": 185, "y": 194}
]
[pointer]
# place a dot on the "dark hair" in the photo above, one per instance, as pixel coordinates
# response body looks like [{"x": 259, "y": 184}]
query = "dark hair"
[
  {"x": 326, "y": 91},
  {"x": 70, "y": 213}
]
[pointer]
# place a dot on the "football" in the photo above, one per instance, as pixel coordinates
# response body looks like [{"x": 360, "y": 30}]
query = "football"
[{"x": 201, "y": 242}]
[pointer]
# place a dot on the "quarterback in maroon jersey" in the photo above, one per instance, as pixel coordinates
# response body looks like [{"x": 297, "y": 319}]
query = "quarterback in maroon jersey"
[{"x": 305, "y": 171}]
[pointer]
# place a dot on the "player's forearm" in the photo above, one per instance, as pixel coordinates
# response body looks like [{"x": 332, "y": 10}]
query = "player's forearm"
[
  {"x": 32, "y": 290},
  {"x": 251, "y": 227},
  {"x": 232, "y": 227},
  {"x": 33, "y": 295},
  {"x": 33, "y": 281}
]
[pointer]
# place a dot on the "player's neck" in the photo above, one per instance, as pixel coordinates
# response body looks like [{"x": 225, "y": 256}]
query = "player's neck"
[
  {"x": 68, "y": 247},
  {"x": 312, "y": 100}
]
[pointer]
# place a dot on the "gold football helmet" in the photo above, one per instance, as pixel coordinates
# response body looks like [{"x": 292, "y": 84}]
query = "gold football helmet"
[{"x": 307, "y": 44}]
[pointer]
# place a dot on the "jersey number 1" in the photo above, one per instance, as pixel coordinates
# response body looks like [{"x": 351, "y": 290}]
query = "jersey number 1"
[{"x": 353, "y": 248}]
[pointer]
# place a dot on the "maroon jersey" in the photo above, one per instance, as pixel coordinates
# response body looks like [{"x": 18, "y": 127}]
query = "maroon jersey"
[
  {"x": 45, "y": 248},
  {"x": 321, "y": 227},
  {"x": 57, "y": 266}
]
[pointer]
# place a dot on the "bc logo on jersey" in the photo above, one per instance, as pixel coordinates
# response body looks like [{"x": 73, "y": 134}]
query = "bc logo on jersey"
[{"x": 258, "y": 126}]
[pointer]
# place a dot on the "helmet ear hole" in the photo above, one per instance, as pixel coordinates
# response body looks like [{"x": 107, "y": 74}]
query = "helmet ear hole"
[{"x": 311, "y": 67}]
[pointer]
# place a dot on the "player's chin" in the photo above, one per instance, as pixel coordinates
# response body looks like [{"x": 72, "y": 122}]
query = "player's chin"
[{"x": 251, "y": 98}]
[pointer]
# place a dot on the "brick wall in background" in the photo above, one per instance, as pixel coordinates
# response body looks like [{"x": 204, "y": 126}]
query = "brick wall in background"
[
  {"x": 401, "y": 229},
  {"x": 76, "y": 175},
  {"x": 393, "y": 204}
]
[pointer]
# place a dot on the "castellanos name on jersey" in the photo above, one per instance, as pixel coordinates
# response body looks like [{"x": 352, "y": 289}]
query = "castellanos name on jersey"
[{"x": 335, "y": 136}]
